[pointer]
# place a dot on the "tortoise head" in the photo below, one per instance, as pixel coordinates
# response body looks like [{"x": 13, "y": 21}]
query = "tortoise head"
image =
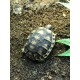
[{"x": 49, "y": 26}]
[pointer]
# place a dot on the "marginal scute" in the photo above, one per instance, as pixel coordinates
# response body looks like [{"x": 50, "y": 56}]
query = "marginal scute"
[
  {"x": 41, "y": 27},
  {"x": 48, "y": 38},
  {"x": 45, "y": 45},
  {"x": 33, "y": 31},
  {"x": 41, "y": 32}
]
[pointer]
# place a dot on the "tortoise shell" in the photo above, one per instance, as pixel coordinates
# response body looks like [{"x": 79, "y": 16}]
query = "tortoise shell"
[{"x": 39, "y": 44}]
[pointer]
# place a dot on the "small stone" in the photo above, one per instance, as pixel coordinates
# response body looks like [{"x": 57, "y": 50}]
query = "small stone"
[
  {"x": 50, "y": 77},
  {"x": 17, "y": 9},
  {"x": 64, "y": 14},
  {"x": 42, "y": 78},
  {"x": 34, "y": 72},
  {"x": 16, "y": 78}
]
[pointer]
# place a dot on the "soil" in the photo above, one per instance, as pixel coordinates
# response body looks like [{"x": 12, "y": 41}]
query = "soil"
[{"x": 53, "y": 68}]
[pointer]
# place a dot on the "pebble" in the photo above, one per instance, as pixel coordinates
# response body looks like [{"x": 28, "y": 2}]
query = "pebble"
[
  {"x": 50, "y": 77},
  {"x": 64, "y": 15},
  {"x": 17, "y": 9}
]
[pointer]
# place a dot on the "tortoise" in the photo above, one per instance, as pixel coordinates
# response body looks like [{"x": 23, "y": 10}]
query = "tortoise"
[{"x": 39, "y": 43}]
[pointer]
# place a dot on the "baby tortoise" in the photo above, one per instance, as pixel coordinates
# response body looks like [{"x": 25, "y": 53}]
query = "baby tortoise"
[{"x": 39, "y": 43}]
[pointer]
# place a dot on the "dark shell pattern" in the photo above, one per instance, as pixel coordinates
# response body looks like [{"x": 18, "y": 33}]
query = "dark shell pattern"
[{"x": 39, "y": 44}]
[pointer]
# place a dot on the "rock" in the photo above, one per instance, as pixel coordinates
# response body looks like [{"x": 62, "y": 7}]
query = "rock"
[
  {"x": 50, "y": 77},
  {"x": 17, "y": 5},
  {"x": 17, "y": 9}
]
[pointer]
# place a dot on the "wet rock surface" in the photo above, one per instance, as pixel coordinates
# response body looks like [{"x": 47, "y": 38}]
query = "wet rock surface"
[{"x": 53, "y": 68}]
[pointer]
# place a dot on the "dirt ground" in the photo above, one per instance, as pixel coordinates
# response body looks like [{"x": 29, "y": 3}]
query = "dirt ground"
[{"x": 53, "y": 68}]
